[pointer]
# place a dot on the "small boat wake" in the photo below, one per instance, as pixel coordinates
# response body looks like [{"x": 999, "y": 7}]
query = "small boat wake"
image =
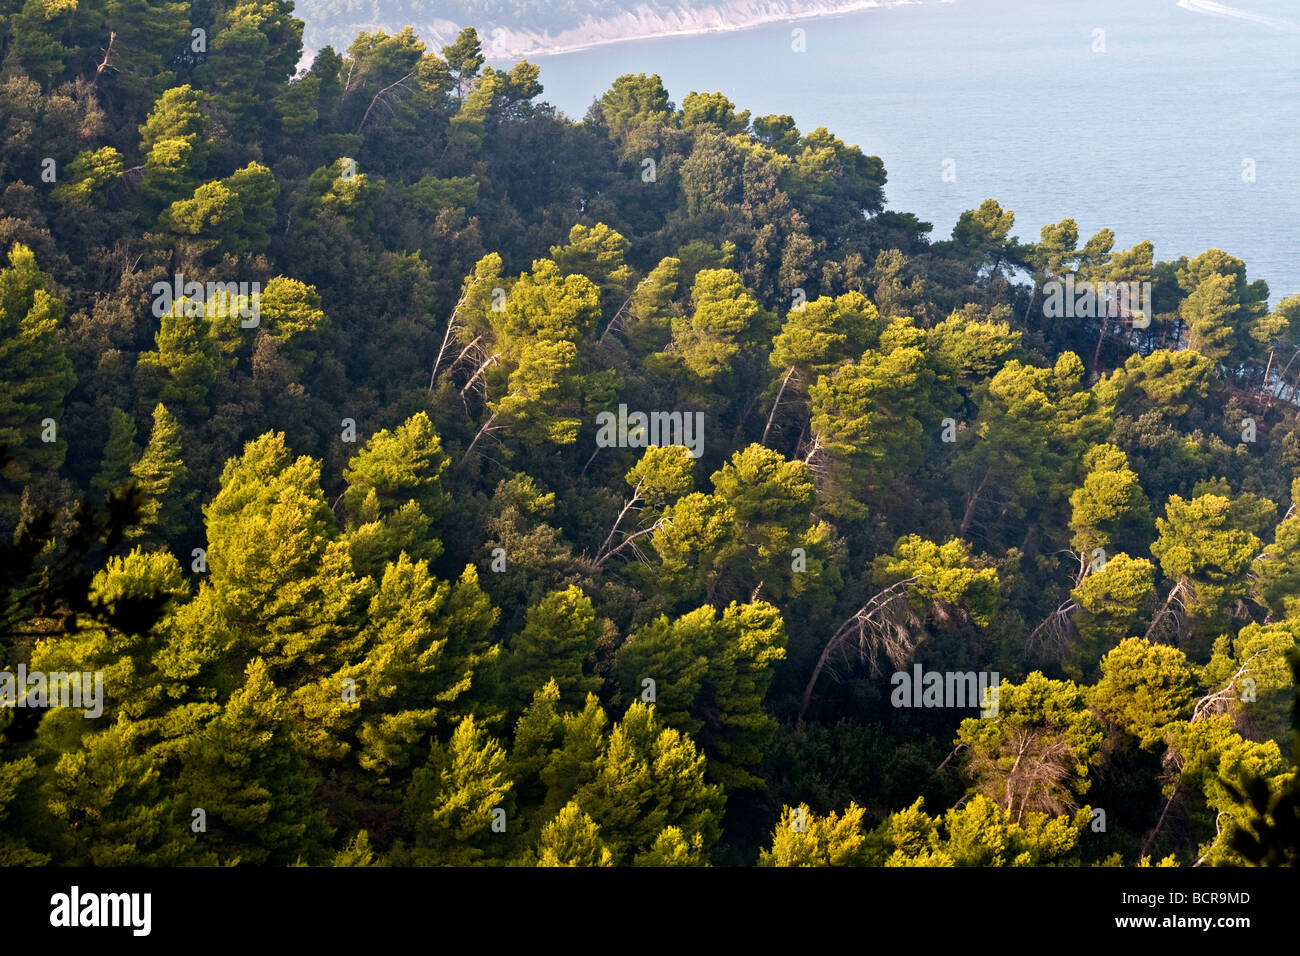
[{"x": 1210, "y": 8}]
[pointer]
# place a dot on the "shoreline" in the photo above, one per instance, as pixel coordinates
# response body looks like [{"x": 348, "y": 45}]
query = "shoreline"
[
  {"x": 813, "y": 11},
  {"x": 728, "y": 16}
]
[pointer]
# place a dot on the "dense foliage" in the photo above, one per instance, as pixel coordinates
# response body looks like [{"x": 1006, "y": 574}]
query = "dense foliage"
[{"x": 368, "y": 583}]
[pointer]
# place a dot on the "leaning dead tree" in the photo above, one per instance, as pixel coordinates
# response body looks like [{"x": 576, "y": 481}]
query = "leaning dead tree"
[
  {"x": 457, "y": 332},
  {"x": 1038, "y": 779},
  {"x": 476, "y": 385},
  {"x": 885, "y": 625},
  {"x": 1172, "y": 612},
  {"x": 488, "y": 428},
  {"x": 620, "y": 316},
  {"x": 447, "y": 337},
  {"x": 1216, "y": 702},
  {"x": 1218, "y": 834},
  {"x": 1056, "y": 631},
  {"x": 104, "y": 64},
  {"x": 811, "y": 457},
  {"x": 487, "y": 363},
  {"x": 1171, "y": 770},
  {"x": 608, "y": 549},
  {"x": 791, "y": 373},
  {"x": 379, "y": 98}
]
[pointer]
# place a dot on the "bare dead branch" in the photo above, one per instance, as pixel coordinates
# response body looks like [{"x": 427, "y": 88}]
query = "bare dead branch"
[
  {"x": 104, "y": 64},
  {"x": 627, "y": 506},
  {"x": 1170, "y": 610},
  {"x": 446, "y": 337},
  {"x": 881, "y": 625},
  {"x": 491, "y": 360},
  {"x": 628, "y": 541},
  {"x": 1058, "y": 626},
  {"x": 775, "y": 405},
  {"x": 1212, "y": 702},
  {"x": 376, "y": 97},
  {"x": 487, "y": 426}
]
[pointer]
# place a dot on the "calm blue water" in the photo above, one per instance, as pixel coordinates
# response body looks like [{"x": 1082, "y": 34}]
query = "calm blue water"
[{"x": 1147, "y": 138}]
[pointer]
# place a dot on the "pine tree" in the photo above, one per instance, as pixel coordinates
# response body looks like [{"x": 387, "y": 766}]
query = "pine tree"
[
  {"x": 137, "y": 594},
  {"x": 120, "y": 452},
  {"x": 244, "y": 770},
  {"x": 572, "y": 839},
  {"x": 650, "y": 778},
  {"x": 189, "y": 361},
  {"x": 1035, "y": 756},
  {"x": 1221, "y": 308},
  {"x": 405, "y": 464},
  {"x": 711, "y": 677},
  {"x": 1111, "y": 602},
  {"x": 254, "y": 49},
  {"x": 870, "y": 419},
  {"x": 36, "y": 371},
  {"x": 106, "y": 798},
  {"x": 36, "y": 29},
  {"x": 634, "y": 100},
  {"x": 452, "y": 799},
  {"x": 1025, "y": 453},
  {"x": 817, "y": 337},
  {"x": 280, "y": 576},
  {"x": 1205, "y": 551},
  {"x": 1109, "y": 511},
  {"x": 149, "y": 34},
  {"x": 162, "y": 473},
  {"x": 1268, "y": 834},
  {"x": 1277, "y": 571},
  {"x": 980, "y": 832},
  {"x": 15, "y": 777},
  {"x": 559, "y": 636},
  {"x": 651, "y": 309},
  {"x": 725, "y": 321},
  {"x": 291, "y": 311},
  {"x": 1143, "y": 687},
  {"x": 1215, "y": 763},
  {"x": 175, "y": 148},
  {"x": 90, "y": 175},
  {"x": 424, "y": 660},
  {"x": 802, "y": 838},
  {"x": 672, "y": 847},
  {"x": 554, "y": 755},
  {"x": 597, "y": 252},
  {"x": 464, "y": 58}
]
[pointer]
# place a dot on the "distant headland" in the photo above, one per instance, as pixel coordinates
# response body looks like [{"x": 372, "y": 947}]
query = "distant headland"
[{"x": 535, "y": 33}]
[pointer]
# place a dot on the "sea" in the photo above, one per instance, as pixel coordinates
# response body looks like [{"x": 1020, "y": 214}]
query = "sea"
[{"x": 1176, "y": 121}]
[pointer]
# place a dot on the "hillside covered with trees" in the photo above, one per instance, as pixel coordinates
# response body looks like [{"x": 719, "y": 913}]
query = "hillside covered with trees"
[{"x": 337, "y": 415}]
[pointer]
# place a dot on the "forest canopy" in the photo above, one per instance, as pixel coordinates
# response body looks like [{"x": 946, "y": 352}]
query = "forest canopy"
[{"x": 428, "y": 478}]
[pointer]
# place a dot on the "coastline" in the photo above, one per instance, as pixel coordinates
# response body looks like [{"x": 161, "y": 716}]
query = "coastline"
[{"x": 725, "y": 16}]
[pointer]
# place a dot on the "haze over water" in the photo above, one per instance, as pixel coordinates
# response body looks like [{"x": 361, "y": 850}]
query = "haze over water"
[{"x": 1147, "y": 138}]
